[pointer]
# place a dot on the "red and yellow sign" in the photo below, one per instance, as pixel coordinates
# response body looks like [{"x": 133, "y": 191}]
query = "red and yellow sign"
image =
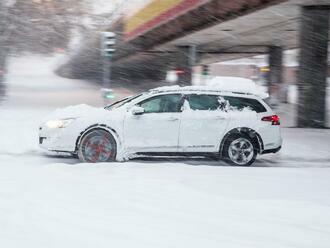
[{"x": 156, "y": 13}]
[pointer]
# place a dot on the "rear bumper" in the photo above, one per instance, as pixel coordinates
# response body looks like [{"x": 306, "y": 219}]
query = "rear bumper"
[{"x": 275, "y": 150}]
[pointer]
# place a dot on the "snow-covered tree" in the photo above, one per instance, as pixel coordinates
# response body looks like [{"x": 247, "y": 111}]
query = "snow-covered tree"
[{"x": 38, "y": 25}]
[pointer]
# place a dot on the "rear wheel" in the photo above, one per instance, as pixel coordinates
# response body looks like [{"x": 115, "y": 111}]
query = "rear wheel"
[
  {"x": 240, "y": 150},
  {"x": 97, "y": 146}
]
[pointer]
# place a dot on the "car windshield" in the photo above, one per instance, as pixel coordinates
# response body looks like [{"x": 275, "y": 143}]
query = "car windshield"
[{"x": 121, "y": 102}]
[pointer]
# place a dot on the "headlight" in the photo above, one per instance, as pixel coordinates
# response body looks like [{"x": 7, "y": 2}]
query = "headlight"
[{"x": 59, "y": 123}]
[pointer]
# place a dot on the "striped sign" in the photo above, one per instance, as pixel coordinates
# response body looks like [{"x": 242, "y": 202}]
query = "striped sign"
[{"x": 156, "y": 13}]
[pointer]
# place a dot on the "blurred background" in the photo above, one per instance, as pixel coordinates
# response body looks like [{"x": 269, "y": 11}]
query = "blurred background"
[{"x": 282, "y": 46}]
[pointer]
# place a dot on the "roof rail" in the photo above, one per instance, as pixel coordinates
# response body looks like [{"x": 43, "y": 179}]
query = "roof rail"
[{"x": 196, "y": 88}]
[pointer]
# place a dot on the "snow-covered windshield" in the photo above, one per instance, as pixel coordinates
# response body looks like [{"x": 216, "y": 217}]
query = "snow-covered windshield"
[{"x": 121, "y": 102}]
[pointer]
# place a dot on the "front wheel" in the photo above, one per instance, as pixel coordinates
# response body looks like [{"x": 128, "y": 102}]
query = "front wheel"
[
  {"x": 97, "y": 146},
  {"x": 240, "y": 151}
]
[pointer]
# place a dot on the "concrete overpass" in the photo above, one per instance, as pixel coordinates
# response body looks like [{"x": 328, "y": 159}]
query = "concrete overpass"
[
  {"x": 220, "y": 30},
  {"x": 184, "y": 33}
]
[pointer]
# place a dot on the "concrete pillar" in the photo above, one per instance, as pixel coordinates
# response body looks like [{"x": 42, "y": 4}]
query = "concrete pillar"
[
  {"x": 275, "y": 61},
  {"x": 184, "y": 61},
  {"x": 312, "y": 74}
]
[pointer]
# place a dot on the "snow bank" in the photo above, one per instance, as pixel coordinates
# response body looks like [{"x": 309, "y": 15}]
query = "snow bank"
[
  {"x": 19, "y": 131},
  {"x": 33, "y": 65}
]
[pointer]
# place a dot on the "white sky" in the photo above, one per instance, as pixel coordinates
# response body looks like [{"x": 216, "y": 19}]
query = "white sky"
[{"x": 127, "y": 6}]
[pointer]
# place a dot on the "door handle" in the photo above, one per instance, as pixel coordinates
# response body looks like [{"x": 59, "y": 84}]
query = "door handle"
[{"x": 173, "y": 119}]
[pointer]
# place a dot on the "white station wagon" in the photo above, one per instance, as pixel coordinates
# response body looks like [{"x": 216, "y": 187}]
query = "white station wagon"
[{"x": 167, "y": 121}]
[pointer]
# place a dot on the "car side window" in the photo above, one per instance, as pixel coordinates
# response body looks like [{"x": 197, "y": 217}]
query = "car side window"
[
  {"x": 203, "y": 102},
  {"x": 162, "y": 104},
  {"x": 241, "y": 102}
]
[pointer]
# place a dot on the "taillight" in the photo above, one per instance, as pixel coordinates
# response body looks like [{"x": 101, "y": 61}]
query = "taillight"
[{"x": 274, "y": 119}]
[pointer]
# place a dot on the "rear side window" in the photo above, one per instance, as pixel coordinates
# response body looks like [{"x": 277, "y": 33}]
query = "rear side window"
[
  {"x": 203, "y": 102},
  {"x": 241, "y": 103}
]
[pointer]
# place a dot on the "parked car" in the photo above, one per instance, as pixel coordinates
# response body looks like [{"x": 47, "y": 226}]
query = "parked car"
[{"x": 190, "y": 121}]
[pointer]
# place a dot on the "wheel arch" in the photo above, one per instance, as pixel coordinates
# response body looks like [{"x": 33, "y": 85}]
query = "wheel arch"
[
  {"x": 254, "y": 135},
  {"x": 112, "y": 131}
]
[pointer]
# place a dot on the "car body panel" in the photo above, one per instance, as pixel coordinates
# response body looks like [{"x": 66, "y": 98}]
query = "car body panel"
[
  {"x": 201, "y": 131},
  {"x": 141, "y": 135}
]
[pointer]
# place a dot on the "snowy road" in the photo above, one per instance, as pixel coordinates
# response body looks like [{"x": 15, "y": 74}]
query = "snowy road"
[{"x": 49, "y": 201}]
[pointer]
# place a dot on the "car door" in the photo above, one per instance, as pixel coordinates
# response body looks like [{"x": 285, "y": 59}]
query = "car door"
[
  {"x": 203, "y": 123},
  {"x": 157, "y": 128}
]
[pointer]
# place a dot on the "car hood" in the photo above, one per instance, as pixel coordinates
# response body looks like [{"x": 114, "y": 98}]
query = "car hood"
[{"x": 77, "y": 111}]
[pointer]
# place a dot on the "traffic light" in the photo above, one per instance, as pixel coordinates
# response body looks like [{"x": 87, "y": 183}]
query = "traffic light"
[
  {"x": 108, "y": 44},
  {"x": 108, "y": 94},
  {"x": 205, "y": 70}
]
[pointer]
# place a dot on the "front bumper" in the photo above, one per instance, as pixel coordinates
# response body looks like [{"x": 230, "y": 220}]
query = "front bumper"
[{"x": 58, "y": 140}]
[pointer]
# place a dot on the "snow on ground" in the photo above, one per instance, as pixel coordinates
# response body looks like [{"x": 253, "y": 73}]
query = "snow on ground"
[
  {"x": 31, "y": 83},
  {"x": 162, "y": 205},
  {"x": 52, "y": 201}
]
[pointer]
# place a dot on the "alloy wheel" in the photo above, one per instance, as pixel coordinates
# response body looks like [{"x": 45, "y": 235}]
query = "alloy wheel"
[{"x": 241, "y": 151}]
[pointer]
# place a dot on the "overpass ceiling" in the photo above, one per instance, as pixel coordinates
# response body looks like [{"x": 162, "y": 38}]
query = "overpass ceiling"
[{"x": 246, "y": 35}]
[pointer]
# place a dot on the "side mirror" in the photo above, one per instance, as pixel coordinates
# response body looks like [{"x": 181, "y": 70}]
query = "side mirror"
[{"x": 136, "y": 110}]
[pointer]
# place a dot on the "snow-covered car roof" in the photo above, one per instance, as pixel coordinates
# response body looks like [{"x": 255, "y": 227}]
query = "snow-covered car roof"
[{"x": 241, "y": 89}]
